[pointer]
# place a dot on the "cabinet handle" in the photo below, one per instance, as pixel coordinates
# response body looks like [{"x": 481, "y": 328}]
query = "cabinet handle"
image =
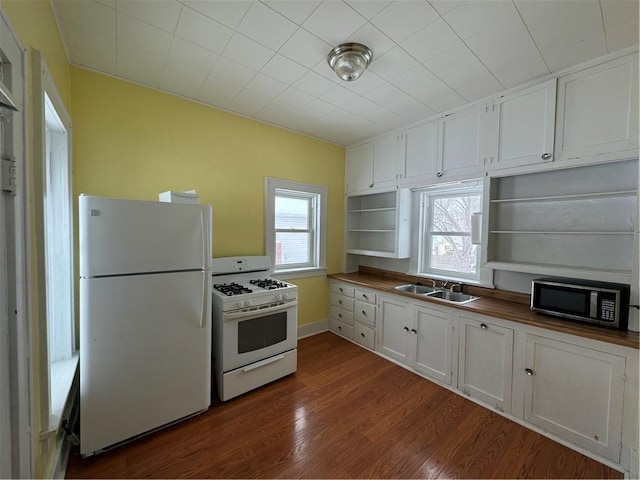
[
  {"x": 339, "y": 327},
  {"x": 340, "y": 302},
  {"x": 439, "y": 174},
  {"x": 528, "y": 371},
  {"x": 364, "y": 313},
  {"x": 546, "y": 156},
  {"x": 365, "y": 297},
  {"x": 414, "y": 331},
  {"x": 362, "y": 335},
  {"x": 406, "y": 329},
  {"x": 371, "y": 185},
  {"x": 340, "y": 288},
  {"x": 483, "y": 326},
  {"x": 339, "y": 315}
]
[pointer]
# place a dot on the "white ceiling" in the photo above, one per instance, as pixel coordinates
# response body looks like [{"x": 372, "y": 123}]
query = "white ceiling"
[{"x": 267, "y": 59}]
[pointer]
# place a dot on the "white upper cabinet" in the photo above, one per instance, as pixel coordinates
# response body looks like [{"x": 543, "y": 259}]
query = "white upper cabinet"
[
  {"x": 521, "y": 127},
  {"x": 372, "y": 167},
  {"x": 461, "y": 144},
  {"x": 418, "y": 155},
  {"x": 359, "y": 166},
  {"x": 597, "y": 116}
]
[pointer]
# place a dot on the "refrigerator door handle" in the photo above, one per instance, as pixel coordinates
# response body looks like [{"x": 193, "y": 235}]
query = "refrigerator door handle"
[
  {"x": 203, "y": 316},
  {"x": 204, "y": 241}
]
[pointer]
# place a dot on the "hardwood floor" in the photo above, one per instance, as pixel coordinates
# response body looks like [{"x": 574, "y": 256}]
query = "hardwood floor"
[{"x": 346, "y": 413}]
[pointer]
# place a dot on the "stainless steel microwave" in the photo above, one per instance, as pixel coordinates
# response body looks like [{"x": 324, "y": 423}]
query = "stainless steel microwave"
[{"x": 599, "y": 303}]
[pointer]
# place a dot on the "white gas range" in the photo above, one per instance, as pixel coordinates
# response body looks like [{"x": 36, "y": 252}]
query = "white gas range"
[{"x": 255, "y": 321}]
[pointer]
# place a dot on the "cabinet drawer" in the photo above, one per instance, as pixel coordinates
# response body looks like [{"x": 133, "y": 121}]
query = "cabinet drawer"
[
  {"x": 365, "y": 313},
  {"x": 364, "y": 335},
  {"x": 365, "y": 296},
  {"x": 342, "y": 301},
  {"x": 341, "y": 328},
  {"x": 342, "y": 289},
  {"x": 341, "y": 315}
]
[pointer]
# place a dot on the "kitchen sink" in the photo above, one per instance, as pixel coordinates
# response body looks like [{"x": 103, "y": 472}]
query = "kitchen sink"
[
  {"x": 454, "y": 297},
  {"x": 415, "y": 288}
]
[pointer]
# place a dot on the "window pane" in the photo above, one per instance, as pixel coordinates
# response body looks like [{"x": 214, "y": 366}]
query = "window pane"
[
  {"x": 453, "y": 214},
  {"x": 293, "y": 248},
  {"x": 455, "y": 253},
  {"x": 292, "y": 213}
]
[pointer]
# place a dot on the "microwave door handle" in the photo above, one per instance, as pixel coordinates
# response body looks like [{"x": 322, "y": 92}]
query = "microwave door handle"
[{"x": 593, "y": 304}]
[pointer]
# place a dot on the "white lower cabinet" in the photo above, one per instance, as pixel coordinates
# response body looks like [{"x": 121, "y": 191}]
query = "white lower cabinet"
[
  {"x": 432, "y": 333},
  {"x": 576, "y": 393},
  {"x": 393, "y": 339},
  {"x": 364, "y": 315},
  {"x": 486, "y": 361},
  {"x": 341, "y": 305}
]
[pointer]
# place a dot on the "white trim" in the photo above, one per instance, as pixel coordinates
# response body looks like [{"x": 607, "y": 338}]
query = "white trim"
[
  {"x": 310, "y": 329},
  {"x": 320, "y": 247},
  {"x": 301, "y": 273}
]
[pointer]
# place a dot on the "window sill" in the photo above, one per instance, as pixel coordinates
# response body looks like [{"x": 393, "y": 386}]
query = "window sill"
[
  {"x": 300, "y": 273},
  {"x": 62, "y": 375}
]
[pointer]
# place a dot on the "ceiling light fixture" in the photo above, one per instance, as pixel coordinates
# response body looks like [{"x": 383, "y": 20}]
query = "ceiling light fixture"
[{"x": 349, "y": 60}]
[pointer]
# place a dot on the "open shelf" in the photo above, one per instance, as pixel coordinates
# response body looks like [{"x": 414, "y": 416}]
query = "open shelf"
[
  {"x": 579, "y": 222},
  {"x": 377, "y": 224}
]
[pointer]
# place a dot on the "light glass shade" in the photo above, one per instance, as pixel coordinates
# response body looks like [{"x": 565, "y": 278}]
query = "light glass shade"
[{"x": 349, "y": 60}]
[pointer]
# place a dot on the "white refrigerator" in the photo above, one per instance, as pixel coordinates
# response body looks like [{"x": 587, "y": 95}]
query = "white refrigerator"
[{"x": 145, "y": 317}]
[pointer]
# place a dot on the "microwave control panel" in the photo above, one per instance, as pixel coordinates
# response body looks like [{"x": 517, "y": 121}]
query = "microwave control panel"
[{"x": 607, "y": 306}]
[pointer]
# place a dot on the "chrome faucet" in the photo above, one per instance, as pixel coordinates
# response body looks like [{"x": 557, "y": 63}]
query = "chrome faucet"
[
  {"x": 445, "y": 283},
  {"x": 433, "y": 282},
  {"x": 452, "y": 288}
]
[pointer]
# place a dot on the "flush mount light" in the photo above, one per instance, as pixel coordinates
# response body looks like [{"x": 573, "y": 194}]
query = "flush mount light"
[{"x": 349, "y": 60}]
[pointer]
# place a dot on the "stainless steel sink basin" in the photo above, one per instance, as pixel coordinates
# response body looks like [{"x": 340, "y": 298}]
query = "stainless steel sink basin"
[
  {"x": 453, "y": 297},
  {"x": 418, "y": 289}
]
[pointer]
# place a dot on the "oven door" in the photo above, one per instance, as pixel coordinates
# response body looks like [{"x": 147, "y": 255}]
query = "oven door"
[{"x": 258, "y": 334}]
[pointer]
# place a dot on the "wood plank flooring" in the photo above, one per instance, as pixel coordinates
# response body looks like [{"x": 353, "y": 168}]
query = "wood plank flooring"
[{"x": 346, "y": 413}]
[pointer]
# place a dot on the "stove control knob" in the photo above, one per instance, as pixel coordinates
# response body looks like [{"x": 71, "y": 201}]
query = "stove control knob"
[
  {"x": 285, "y": 296},
  {"x": 239, "y": 304},
  {"x": 248, "y": 303},
  {"x": 278, "y": 297}
]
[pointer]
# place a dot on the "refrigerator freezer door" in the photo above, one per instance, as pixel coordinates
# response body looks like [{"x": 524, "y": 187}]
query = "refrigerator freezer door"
[
  {"x": 145, "y": 356},
  {"x": 119, "y": 237}
]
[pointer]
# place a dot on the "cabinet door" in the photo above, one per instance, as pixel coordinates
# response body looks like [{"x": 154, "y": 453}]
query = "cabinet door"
[
  {"x": 433, "y": 337},
  {"x": 461, "y": 144},
  {"x": 419, "y": 154},
  {"x": 385, "y": 161},
  {"x": 576, "y": 393},
  {"x": 598, "y": 111},
  {"x": 485, "y": 368},
  {"x": 394, "y": 328},
  {"x": 525, "y": 127},
  {"x": 359, "y": 168}
]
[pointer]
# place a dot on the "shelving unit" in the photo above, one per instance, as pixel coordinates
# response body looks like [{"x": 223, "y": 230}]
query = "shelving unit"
[
  {"x": 588, "y": 231},
  {"x": 378, "y": 224}
]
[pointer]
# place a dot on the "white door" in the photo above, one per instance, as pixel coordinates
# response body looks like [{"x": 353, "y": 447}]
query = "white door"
[
  {"x": 433, "y": 342},
  {"x": 145, "y": 353},
  {"x": 461, "y": 144},
  {"x": 524, "y": 127},
  {"x": 359, "y": 165},
  {"x": 129, "y": 236},
  {"x": 485, "y": 368},
  {"x": 394, "y": 328},
  {"x": 598, "y": 111},
  {"x": 576, "y": 393},
  {"x": 418, "y": 164},
  {"x": 385, "y": 161}
]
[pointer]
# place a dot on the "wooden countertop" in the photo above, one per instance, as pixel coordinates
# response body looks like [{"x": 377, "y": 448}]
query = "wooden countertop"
[{"x": 500, "y": 304}]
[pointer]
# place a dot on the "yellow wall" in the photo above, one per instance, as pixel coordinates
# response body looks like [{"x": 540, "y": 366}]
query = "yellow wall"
[
  {"x": 134, "y": 142},
  {"x": 35, "y": 26}
]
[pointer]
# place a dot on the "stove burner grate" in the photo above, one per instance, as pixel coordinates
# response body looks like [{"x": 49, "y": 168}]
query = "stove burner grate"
[
  {"x": 233, "y": 288},
  {"x": 268, "y": 283}
]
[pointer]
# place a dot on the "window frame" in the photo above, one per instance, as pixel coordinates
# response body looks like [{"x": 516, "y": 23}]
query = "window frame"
[
  {"x": 317, "y": 225},
  {"x": 423, "y": 200}
]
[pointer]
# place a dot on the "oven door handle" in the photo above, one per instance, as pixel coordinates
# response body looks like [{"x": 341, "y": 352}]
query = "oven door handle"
[
  {"x": 258, "y": 312},
  {"x": 262, "y": 363}
]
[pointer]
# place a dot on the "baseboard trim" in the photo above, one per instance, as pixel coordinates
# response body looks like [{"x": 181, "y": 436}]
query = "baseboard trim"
[{"x": 309, "y": 329}]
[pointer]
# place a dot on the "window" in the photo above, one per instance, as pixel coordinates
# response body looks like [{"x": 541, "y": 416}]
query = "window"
[
  {"x": 444, "y": 241},
  {"x": 295, "y": 226}
]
